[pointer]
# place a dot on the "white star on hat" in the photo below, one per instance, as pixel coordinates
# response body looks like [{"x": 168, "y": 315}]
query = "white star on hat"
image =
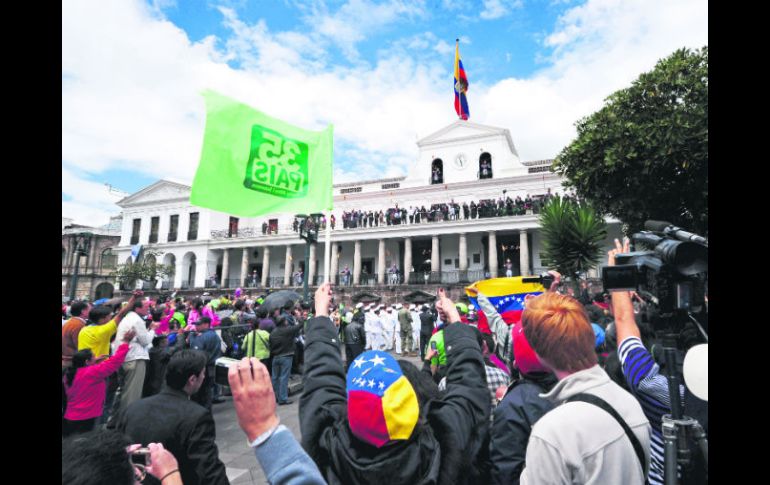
[
  {"x": 377, "y": 360},
  {"x": 371, "y": 383},
  {"x": 359, "y": 362},
  {"x": 381, "y": 385}
]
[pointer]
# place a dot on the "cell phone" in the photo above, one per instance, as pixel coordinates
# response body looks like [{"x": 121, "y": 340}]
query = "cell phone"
[
  {"x": 433, "y": 346},
  {"x": 141, "y": 456}
]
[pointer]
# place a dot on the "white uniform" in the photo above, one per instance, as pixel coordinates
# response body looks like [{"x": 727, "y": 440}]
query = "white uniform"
[
  {"x": 397, "y": 331},
  {"x": 368, "y": 317},
  {"x": 377, "y": 343},
  {"x": 415, "y": 330}
]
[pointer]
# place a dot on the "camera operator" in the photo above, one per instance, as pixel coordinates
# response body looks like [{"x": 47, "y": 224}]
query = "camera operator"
[{"x": 645, "y": 380}]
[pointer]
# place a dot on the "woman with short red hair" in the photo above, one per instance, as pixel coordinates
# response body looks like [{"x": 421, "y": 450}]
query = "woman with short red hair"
[{"x": 580, "y": 440}]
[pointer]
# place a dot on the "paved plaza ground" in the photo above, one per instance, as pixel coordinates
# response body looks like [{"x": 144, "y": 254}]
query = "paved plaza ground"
[{"x": 241, "y": 463}]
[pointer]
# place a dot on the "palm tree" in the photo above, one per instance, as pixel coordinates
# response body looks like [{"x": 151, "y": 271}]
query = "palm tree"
[{"x": 573, "y": 233}]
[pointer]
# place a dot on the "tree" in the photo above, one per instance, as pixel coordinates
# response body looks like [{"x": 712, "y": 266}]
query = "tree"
[
  {"x": 644, "y": 155},
  {"x": 573, "y": 235},
  {"x": 146, "y": 269}
]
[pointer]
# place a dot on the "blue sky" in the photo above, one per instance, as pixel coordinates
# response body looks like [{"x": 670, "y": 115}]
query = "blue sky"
[{"x": 379, "y": 70}]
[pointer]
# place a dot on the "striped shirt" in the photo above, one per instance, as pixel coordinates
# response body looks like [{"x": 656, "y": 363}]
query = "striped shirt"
[{"x": 650, "y": 388}]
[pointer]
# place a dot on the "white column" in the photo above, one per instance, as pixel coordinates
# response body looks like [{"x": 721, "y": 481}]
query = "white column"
[
  {"x": 287, "y": 267},
  {"x": 266, "y": 265},
  {"x": 381, "y": 263},
  {"x": 492, "y": 254},
  {"x": 435, "y": 261},
  {"x": 225, "y": 267},
  {"x": 524, "y": 253},
  {"x": 312, "y": 260},
  {"x": 357, "y": 263},
  {"x": 178, "y": 273},
  {"x": 334, "y": 263},
  {"x": 407, "y": 270},
  {"x": 244, "y": 266},
  {"x": 201, "y": 269},
  {"x": 463, "y": 256}
]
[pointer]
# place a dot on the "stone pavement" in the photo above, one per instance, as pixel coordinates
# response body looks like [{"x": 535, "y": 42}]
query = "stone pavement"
[{"x": 242, "y": 465}]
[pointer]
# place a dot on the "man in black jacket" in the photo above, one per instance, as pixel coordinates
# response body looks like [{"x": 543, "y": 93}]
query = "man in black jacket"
[
  {"x": 355, "y": 338},
  {"x": 427, "y": 322},
  {"x": 185, "y": 428},
  {"x": 282, "y": 348},
  {"x": 450, "y": 428}
]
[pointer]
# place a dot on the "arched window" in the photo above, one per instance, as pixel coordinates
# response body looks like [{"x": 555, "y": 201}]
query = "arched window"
[
  {"x": 437, "y": 171},
  {"x": 485, "y": 166}
]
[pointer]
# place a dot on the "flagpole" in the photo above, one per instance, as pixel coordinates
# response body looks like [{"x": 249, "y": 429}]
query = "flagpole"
[{"x": 327, "y": 247}]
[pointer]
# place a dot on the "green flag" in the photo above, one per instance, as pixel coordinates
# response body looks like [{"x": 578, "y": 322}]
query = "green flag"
[{"x": 252, "y": 164}]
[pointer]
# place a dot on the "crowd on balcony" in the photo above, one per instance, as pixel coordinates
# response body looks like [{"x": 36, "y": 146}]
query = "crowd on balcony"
[{"x": 445, "y": 212}]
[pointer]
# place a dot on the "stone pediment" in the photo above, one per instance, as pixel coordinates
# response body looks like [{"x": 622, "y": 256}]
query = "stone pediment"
[
  {"x": 161, "y": 190},
  {"x": 465, "y": 131}
]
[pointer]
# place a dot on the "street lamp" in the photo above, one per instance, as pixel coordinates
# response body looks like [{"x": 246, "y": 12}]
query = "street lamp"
[
  {"x": 308, "y": 231},
  {"x": 81, "y": 243}
]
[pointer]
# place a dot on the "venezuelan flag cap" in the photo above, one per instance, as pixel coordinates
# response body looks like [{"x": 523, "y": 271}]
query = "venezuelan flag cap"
[{"x": 382, "y": 404}]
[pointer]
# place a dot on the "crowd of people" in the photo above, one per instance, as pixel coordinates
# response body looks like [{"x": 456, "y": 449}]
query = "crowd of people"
[{"x": 567, "y": 392}]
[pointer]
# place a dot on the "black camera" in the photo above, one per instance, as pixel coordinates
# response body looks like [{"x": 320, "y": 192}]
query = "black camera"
[
  {"x": 671, "y": 275},
  {"x": 544, "y": 279}
]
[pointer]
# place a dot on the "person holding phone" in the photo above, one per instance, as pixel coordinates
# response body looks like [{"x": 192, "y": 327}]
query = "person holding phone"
[{"x": 437, "y": 355}]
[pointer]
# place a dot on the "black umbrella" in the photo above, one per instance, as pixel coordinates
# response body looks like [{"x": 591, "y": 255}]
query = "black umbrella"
[{"x": 280, "y": 299}]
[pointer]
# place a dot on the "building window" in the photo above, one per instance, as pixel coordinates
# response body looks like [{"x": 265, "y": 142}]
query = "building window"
[
  {"x": 437, "y": 171},
  {"x": 109, "y": 260},
  {"x": 485, "y": 166},
  {"x": 192, "y": 233},
  {"x": 232, "y": 228},
  {"x": 477, "y": 257},
  {"x": 547, "y": 168},
  {"x": 350, "y": 190},
  {"x": 391, "y": 186},
  {"x": 154, "y": 224},
  {"x": 135, "y": 231},
  {"x": 447, "y": 262},
  {"x": 272, "y": 226},
  {"x": 173, "y": 228}
]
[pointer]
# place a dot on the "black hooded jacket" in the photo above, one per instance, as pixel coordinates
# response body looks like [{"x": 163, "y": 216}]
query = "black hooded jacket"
[
  {"x": 445, "y": 443},
  {"x": 515, "y": 416}
]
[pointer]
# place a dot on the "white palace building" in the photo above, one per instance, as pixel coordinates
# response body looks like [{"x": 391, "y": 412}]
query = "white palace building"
[{"x": 462, "y": 162}]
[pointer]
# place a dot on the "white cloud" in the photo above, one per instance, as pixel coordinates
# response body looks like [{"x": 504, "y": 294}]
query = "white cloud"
[
  {"x": 131, "y": 84},
  {"x": 494, "y": 9}
]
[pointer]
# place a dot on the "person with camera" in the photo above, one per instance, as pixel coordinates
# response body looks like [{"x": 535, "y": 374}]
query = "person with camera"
[
  {"x": 645, "y": 379},
  {"x": 183, "y": 426},
  {"x": 102, "y": 456},
  {"x": 281, "y": 457},
  {"x": 282, "y": 349}
]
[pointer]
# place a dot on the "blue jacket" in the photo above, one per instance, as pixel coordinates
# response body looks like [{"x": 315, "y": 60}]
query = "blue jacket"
[
  {"x": 514, "y": 418},
  {"x": 208, "y": 342},
  {"x": 285, "y": 462}
]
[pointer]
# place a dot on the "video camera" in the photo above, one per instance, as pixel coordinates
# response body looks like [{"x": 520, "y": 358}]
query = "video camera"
[
  {"x": 544, "y": 279},
  {"x": 671, "y": 276}
]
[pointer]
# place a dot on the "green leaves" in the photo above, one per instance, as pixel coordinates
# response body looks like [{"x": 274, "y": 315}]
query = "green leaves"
[
  {"x": 644, "y": 155},
  {"x": 573, "y": 234},
  {"x": 146, "y": 269}
]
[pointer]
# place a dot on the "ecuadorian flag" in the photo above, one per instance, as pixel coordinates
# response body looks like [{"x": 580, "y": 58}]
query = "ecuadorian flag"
[
  {"x": 460, "y": 85},
  {"x": 505, "y": 294}
]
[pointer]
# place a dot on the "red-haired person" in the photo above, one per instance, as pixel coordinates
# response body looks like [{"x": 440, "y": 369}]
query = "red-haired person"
[{"x": 597, "y": 432}]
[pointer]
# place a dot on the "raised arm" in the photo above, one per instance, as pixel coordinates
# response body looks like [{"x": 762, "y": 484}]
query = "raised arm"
[
  {"x": 323, "y": 396},
  {"x": 622, "y": 307}
]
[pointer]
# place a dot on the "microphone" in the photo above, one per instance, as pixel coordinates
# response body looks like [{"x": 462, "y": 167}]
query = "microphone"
[{"x": 671, "y": 230}]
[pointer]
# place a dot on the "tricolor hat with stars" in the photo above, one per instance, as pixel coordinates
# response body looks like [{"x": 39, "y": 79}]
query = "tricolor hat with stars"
[{"x": 382, "y": 404}]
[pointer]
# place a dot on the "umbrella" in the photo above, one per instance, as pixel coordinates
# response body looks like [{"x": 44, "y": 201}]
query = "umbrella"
[
  {"x": 100, "y": 301},
  {"x": 280, "y": 299}
]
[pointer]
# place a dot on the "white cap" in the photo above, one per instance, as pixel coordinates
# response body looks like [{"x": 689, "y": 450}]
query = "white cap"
[
  {"x": 399, "y": 306},
  {"x": 471, "y": 307},
  {"x": 359, "y": 305},
  {"x": 412, "y": 307}
]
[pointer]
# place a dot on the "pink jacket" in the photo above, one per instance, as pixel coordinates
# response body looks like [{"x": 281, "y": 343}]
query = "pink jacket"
[
  {"x": 163, "y": 327},
  {"x": 208, "y": 312},
  {"x": 85, "y": 398}
]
